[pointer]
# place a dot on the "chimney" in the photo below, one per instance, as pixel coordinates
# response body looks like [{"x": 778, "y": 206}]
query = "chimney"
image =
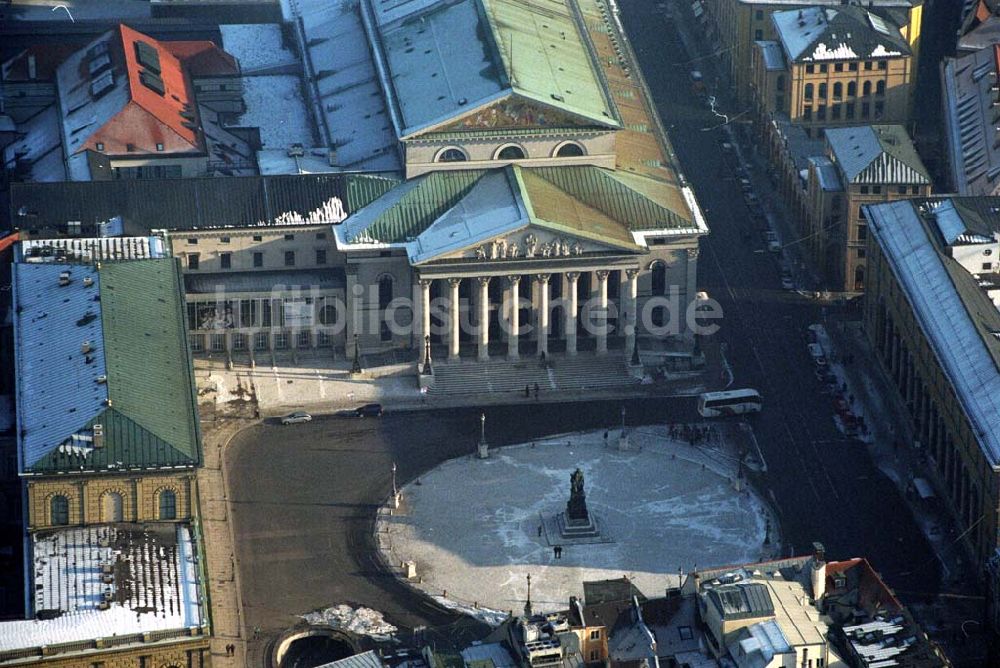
[
  {"x": 85, "y": 347},
  {"x": 818, "y": 573},
  {"x": 98, "y": 436}
]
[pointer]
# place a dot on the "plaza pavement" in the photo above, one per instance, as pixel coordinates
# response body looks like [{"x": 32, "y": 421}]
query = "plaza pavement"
[{"x": 663, "y": 507}]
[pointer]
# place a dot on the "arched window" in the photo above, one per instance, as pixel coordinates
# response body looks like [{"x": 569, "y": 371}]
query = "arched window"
[
  {"x": 112, "y": 507},
  {"x": 328, "y": 314},
  {"x": 659, "y": 279},
  {"x": 880, "y": 87},
  {"x": 822, "y": 91},
  {"x": 852, "y": 88},
  {"x": 452, "y": 154},
  {"x": 569, "y": 150},
  {"x": 510, "y": 152},
  {"x": 866, "y": 88},
  {"x": 59, "y": 510},
  {"x": 809, "y": 91},
  {"x": 384, "y": 291},
  {"x": 168, "y": 505},
  {"x": 838, "y": 90}
]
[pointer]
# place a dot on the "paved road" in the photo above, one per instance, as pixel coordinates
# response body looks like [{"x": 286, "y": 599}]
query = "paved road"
[
  {"x": 304, "y": 499},
  {"x": 826, "y": 486}
]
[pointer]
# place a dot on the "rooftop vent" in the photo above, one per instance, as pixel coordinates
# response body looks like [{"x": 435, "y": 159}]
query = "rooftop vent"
[
  {"x": 87, "y": 281},
  {"x": 64, "y": 278},
  {"x": 102, "y": 379},
  {"x": 296, "y": 151},
  {"x": 85, "y": 347}
]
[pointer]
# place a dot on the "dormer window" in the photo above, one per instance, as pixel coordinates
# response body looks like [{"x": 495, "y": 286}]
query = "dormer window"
[
  {"x": 100, "y": 146},
  {"x": 159, "y": 146}
]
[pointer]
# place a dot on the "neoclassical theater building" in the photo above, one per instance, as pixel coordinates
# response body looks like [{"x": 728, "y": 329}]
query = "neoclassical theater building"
[{"x": 532, "y": 170}]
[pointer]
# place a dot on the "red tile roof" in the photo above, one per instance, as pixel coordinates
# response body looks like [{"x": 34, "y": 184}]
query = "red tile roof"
[
  {"x": 203, "y": 58},
  {"x": 873, "y": 593}
]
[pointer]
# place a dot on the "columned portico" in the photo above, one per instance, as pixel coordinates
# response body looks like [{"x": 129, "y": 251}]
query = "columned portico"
[
  {"x": 514, "y": 316},
  {"x": 631, "y": 305},
  {"x": 602, "y": 311},
  {"x": 542, "y": 282},
  {"x": 425, "y": 316},
  {"x": 571, "y": 310},
  {"x": 484, "y": 318},
  {"x": 453, "y": 318}
]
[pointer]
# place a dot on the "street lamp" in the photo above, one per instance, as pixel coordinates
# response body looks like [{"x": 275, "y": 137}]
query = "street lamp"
[
  {"x": 483, "y": 448},
  {"x": 356, "y": 367}
]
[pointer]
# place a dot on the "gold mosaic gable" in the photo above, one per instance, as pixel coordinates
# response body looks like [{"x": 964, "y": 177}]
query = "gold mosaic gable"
[{"x": 513, "y": 114}]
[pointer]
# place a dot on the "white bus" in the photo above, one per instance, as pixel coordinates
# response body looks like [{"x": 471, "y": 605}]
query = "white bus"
[{"x": 730, "y": 402}]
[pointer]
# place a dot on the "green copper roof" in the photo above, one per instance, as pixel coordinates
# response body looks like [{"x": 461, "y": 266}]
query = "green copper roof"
[
  {"x": 149, "y": 416},
  {"x": 591, "y": 202}
]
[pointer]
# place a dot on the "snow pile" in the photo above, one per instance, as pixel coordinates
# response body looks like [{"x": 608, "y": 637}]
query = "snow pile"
[
  {"x": 275, "y": 105},
  {"x": 256, "y": 46},
  {"x": 488, "y": 616},
  {"x": 362, "y": 621}
]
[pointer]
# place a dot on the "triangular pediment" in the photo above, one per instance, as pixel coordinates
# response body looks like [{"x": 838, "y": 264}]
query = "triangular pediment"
[
  {"x": 530, "y": 242},
  {"x": 514, "y": 113}
]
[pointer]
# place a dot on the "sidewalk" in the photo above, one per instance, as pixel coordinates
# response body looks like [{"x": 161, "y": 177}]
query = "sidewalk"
[
  {"x": 890, "y": 439},
  {"x": 224, "y": 584}
]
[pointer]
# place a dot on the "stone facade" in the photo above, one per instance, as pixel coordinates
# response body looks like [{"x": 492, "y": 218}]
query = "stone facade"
[
  {"x": 91, "y": 499},
  {"x": 151, "y": 651}
]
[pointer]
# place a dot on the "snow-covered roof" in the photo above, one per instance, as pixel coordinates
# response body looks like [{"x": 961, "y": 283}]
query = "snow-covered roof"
[
  {"x": 826, "y": 174},
  {"x": 759, "y": 644},
  {"x": 354, "y": 107},
  {"x": 944, "y": 298},
  {"x": 274, "y": 104},
  {"x": 256, "y": 46},
  {"x": 91, "y": 250},
  {"x": 774, "y": 57},
  {"x": 876, "y": 154},
  {"x": 535, "y": 49},
  {"x": 148, "y": 577},
  {"x": 971, "y": 134},
  {"x": 842, "y": 33},
  {"x": 37, "y": 155}
]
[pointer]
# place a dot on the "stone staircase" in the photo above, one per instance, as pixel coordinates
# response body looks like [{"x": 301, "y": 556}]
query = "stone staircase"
[{"x": 583, "y": 372}]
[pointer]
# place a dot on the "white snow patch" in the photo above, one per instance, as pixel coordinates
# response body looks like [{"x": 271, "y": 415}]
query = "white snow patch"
[
  {"x": 881, "y": 52},
  {"x": 274, "y": 104},
  {"x": 363, "y": 621},
  {"x": 488, "y": 616},
  {"x": 256, "y": 46},
  {"x": 840, "y": 52}
]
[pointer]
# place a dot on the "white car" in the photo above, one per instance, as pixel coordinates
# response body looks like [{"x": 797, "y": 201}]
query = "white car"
[
  {"x": 296, "y": 417},
  {"x": 816, "y": 352}
]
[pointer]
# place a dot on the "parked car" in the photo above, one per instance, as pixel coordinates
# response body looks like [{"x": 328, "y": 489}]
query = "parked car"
[
  {"x": 745, "y": 185},
  {"x": 296, "y": 418},
  {"x": 816, "y": 352},
  {"x": 787, "y": 283},
  {"x": 368, "y": 410}
]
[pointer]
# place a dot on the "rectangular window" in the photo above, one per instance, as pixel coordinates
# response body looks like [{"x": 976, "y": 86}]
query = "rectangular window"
[
  {"x": 810, "y": 69},
  {"x": 258, "y": 237},
  {"x": 822, "y": 68},
  {"x": 835, "y": 112},
  {"x": 258, "y": 259},
  {"x": 868, "y": 65},
  {"x": 595, "y": 635},
  {"x": 226, "y": 260},
  {"x": 883, "y": 65},
  {"x": 248, "y": 312},
  {"x": 866, "y": 110},
  {"x": 320, "y": 256},
  {"x": 265, "y": 313},
  {"x": 593, "y": 655},
  {"x": 901, "y": 190},
  {"x": 838, "y": 67},
  {"x": 193, "y": 259},
  {"x": 280, "y": 340},
  {"x": 861, "y": 253},
  {"x": 321, "y": 235},
  {"x": 862, "y": 231},
  {"x": 914, "y": 190},
  {"x": 223, "y": 240},
  {"x": 864, "y": 190},
  {"x": 289, "y": 237},
  {"x": 260, "y": 341},
  {"x": 987, "y": 266},
  {"x": 289, "y": 258},
  {"x": 759, "y": 15},
  {"x": 852, "y": 67},
  {"x": 192, "y": 241},
  {"x": 239, "y": 341},
  {"x": 877, "y": 190},
  {"x": 100, "y": 146},
  {"x": 758, "y": 34},
  {"x": 879, "y": 109},
  {"x": 807, "y": 114},
  {"x": 849, "y": 110},
  {"x": 821, "y": 112}
]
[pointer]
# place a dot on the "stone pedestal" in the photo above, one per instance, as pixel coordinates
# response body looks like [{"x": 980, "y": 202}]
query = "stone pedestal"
[{"x": 483, "y": 450}]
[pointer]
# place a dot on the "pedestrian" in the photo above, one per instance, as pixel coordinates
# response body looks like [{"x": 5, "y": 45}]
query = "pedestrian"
[
  {"x": 539, "y": 530},
  {"x": 605, "y": 438},
  {"x": 527, "y": 392},
  {"x": 536, "y": 390}
]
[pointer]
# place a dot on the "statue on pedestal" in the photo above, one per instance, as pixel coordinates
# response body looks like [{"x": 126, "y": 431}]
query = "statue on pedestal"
[{"x": 576, "y": 507}]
